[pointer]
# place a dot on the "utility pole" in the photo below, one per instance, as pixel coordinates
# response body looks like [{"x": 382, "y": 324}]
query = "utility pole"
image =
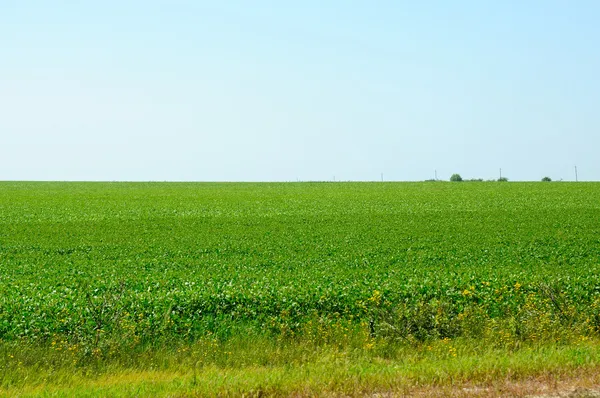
[
  {"x": 436, "y": 175},
  {"x": 576, "y": 174},
  {"x": 381, "y": 177},
  {"x": 500, "y": 173}
]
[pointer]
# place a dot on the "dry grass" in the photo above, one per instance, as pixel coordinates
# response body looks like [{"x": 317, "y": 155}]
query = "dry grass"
[{"x": 333, "y": 379}]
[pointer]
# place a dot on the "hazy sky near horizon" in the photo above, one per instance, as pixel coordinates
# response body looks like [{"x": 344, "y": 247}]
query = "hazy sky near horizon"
[{"x": 281, "y": 91}]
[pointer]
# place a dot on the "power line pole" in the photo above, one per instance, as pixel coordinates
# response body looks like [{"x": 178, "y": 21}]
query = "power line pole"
[
  {"x": 576, "y": 174},
  {"x": 381, "y": 177},
  {"x": 500, "y": 173},
  {"x": 436, "y": 175}
]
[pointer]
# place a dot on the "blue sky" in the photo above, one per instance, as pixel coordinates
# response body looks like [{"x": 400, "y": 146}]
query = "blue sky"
[{"x": 281, "y": 91}]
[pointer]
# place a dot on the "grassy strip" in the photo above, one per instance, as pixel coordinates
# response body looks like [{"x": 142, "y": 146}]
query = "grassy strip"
[{"x": 290, "y": 369}]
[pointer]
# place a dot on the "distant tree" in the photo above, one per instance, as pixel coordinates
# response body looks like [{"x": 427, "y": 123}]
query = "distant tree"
[
  {"x": 546, "y": 179},
  {"x": 502, "y": 179},
  {"x": 456, "y": 178}
]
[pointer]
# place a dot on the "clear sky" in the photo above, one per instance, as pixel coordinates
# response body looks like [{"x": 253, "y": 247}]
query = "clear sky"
[{"x": 280, "y": 90}]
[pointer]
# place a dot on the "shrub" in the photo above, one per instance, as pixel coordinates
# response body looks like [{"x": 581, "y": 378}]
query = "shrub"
[
  {"x": 502, "y": 179},
  {"x": 546, "y": 179},
  {"x": 456, "y": 177}
]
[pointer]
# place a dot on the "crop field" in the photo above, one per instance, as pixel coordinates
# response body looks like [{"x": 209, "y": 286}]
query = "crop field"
[{"x": 225, "y": 276}]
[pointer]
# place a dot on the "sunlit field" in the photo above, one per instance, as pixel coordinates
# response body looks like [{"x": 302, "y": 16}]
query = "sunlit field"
[{"x": 294, "y": 288}]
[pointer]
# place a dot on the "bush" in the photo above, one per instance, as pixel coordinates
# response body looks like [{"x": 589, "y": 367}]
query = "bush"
[
  {"x": 502, "y": 179},
  {"x": 546, "y": 179},
  {"x": 456, "y": 178}
]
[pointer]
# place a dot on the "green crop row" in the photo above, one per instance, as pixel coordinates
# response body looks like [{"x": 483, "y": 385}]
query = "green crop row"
[{"x": 94, "y": 264}]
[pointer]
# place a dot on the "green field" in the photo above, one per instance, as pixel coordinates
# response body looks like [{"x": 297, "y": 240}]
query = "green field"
[{"x": 402, "y": 284}]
